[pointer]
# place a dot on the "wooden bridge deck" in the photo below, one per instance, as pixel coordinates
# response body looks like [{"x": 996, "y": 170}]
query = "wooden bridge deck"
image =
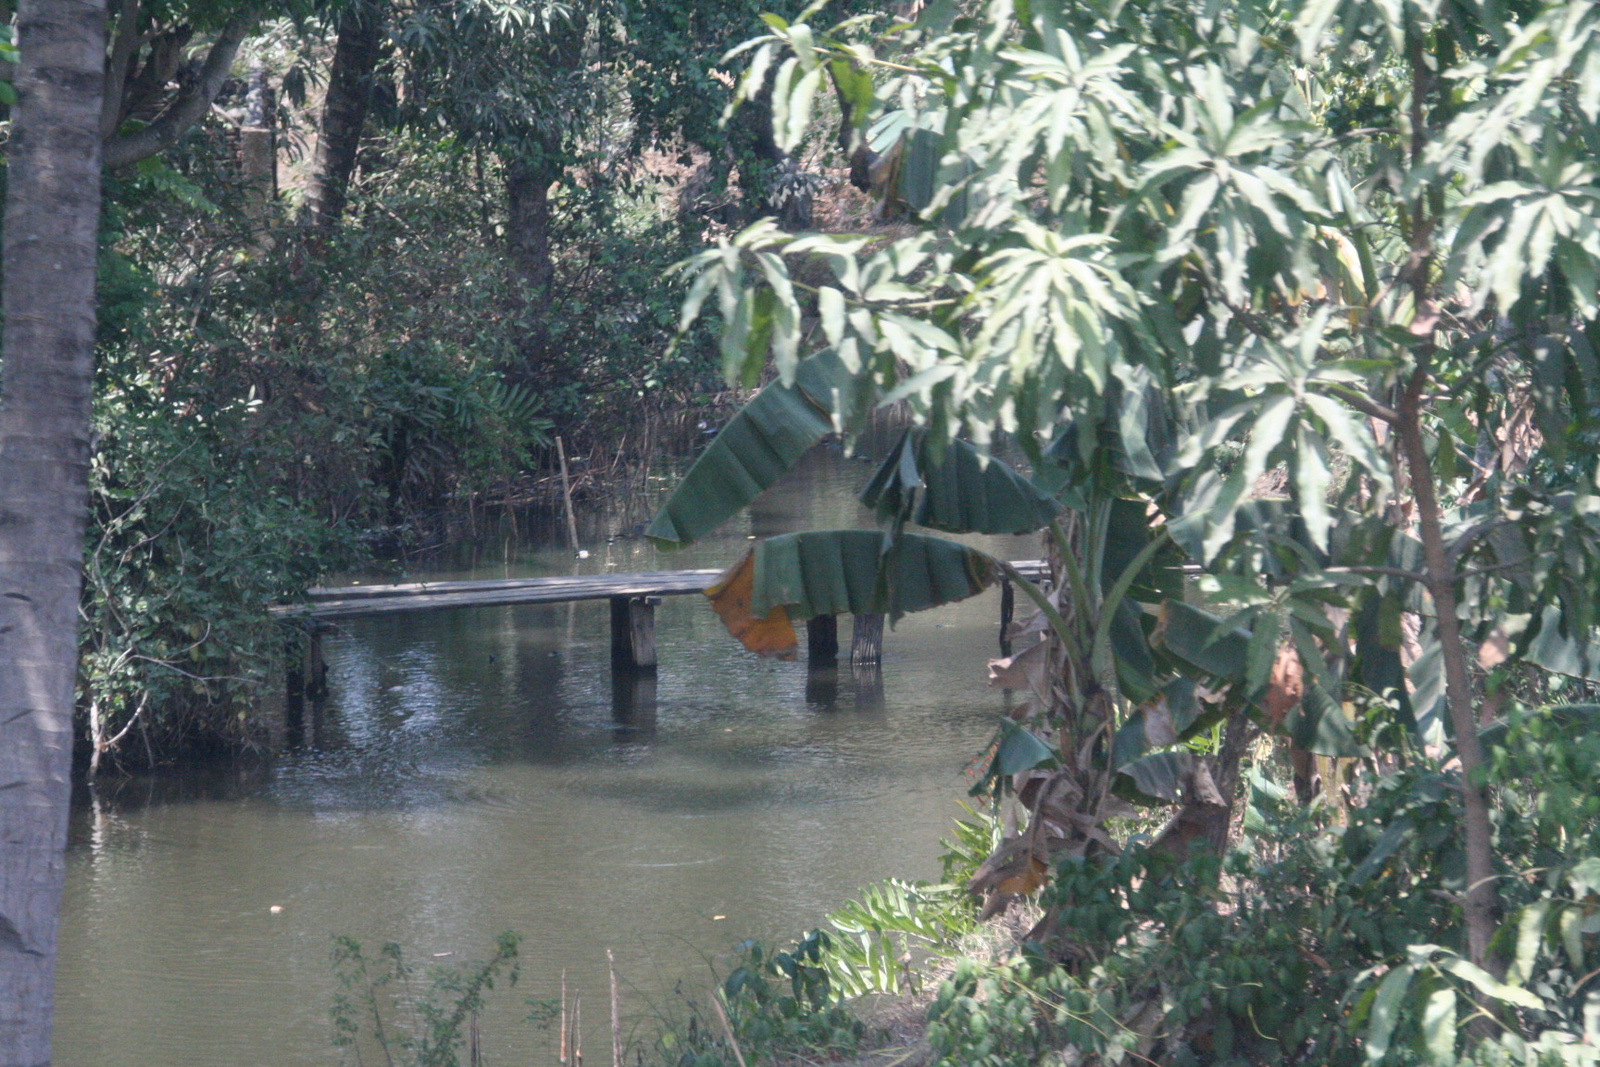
[
  {"x": 633, "y": 640},
  {"x": 343, "y": 602}
]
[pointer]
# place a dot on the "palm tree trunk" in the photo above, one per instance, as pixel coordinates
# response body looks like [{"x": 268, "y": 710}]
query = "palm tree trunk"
[
  {"x": 528, "y": 243},
  {"x": 344, "y": 111},
  {"x": 51, "y": 221}
]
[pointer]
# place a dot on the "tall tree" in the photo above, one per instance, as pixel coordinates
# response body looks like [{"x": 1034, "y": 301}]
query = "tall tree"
[
  {"x": 46, "y": 378},
  {"x": 521, "y": 79},
  {"x": 344, "y": 111},
  {"x": 1179, "y": 262}
]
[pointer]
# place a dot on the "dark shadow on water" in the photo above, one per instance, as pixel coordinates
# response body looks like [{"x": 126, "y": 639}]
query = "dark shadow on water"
[{"x": 822, "y": 688}]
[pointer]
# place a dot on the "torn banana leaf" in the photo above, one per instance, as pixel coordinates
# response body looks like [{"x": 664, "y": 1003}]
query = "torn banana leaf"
[
  {"x": 1201, "y": 640},
  {"x": 966, "y": 493},
  {"x": 833, "y": 572},
  {"x": 756, "y": 448}
]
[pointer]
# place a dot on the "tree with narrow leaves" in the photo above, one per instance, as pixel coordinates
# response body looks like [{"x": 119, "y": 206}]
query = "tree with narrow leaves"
[{"x": 1312, "y": 283}]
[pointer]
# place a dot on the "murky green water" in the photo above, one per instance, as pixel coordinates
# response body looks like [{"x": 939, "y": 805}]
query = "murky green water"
[{"x": 476, "y": 772}]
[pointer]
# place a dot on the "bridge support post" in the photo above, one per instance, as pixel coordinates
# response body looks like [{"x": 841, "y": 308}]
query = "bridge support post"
[
  {"x": 822, "y": 640},
  {"x": 1008, "y": 608},
  {"x": 633, "y": 632},
  {"x": 316, "y": 671},
  {"x": 866, "y": 641}
]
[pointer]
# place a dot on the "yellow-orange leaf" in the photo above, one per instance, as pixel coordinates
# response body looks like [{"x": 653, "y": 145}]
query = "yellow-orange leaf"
[{"x": 730, "y": 597}]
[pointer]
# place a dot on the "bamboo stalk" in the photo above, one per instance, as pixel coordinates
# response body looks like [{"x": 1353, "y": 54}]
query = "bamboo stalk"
[
  {"x": 566, "y": 493},
  {"x": 727, "y": 1028},
  {"x": 616, "y": 1018}
]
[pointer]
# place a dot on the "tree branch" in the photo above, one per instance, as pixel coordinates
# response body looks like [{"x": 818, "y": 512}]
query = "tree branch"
[
  {"x": 118, "y": 63},
  {"x": 1469, "y": 538},
  {"x": 1496, "y": 568},
  {"x": 1387, "y": 572},
  {"x": 1361, "y": 402},
  {"x": 190, "y": 105}
]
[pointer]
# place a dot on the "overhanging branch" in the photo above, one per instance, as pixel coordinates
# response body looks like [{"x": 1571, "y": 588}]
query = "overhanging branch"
[
  {"x": 123, "y": 49},
  {"x": 190, "y": 105},
  {"x": 1361, "y": 402}
]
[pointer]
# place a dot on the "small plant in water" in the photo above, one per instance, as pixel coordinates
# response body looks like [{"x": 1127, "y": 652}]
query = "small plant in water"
[{"x": 388, "y": 1013}]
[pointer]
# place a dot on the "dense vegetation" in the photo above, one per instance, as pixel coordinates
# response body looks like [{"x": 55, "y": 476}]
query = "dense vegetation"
[
  {"x": 456, "y": 249},
  {"x": 1291, "y": 306}
]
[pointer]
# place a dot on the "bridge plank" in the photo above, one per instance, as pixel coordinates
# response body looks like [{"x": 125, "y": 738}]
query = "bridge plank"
[{"x": 336, "y": 602}]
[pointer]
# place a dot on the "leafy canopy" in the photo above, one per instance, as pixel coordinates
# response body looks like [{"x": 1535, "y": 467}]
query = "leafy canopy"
[{"x": 1310, "y": 283}]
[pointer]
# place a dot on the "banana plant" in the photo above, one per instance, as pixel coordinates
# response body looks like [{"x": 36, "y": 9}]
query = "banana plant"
[{"x": 1126, "y": 682}]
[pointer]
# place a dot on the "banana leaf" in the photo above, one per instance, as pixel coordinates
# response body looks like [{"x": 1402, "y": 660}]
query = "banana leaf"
[
  {"x": 1156, "y": 777},
  {"x": 1198, "y": 639},
  {"x": 1128, "y": 532},
  {"x": 963, "y": 494},
  {"x": 1174, "y": 715},
  {"x": 1575, "y": 655},
  {"x": 757, "y": 446},
  {"x": 831, "y": 572},
  {"x": 1319, "y": 725}
]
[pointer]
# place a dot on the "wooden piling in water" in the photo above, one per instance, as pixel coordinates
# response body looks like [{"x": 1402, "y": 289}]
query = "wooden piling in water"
[
  {"x": 633, "y": 632},
  {"x": 633, "y": 705},
  {"x": 822, "y": 640},
  {"x": 313, "y": 671},
  {"x": 866, "y": 641}
]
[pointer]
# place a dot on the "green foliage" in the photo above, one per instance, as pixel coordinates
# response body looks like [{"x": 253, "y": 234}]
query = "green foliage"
[
  {"x": 1347, "y": 371},
  {"x": 1544, "y": 1012},
  {"x": 752, "y": 451},
  {"x": 1003, "y": 1015},
  {"x": 871, "y": 949},
  {"x": 184, "y": 551},
  {"x": 256, "y": 417},
  {"x": 272, "y": 406},
  {"x": 1140, "y": 229},
  {"x": 1313, "y": 949},
  {"x": 414, "y": 1019},
  {"x": 770, "y": 1004}
]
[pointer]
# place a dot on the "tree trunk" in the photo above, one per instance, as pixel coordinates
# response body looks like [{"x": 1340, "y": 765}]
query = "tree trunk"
[
  {"x": 1482, "y": 898},
  {"x": 344, "y": 111},
  {"x": 46, "y": 374},
  {"x": 528, "y": 242},
  {"x": 528, "y": 225}
]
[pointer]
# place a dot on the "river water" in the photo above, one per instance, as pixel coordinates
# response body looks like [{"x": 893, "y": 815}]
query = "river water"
[{"x": 476, "y": 773}]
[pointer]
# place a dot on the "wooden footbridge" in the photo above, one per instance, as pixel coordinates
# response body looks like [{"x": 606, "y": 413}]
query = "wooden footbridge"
[{"x": 633, "y": 599}]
